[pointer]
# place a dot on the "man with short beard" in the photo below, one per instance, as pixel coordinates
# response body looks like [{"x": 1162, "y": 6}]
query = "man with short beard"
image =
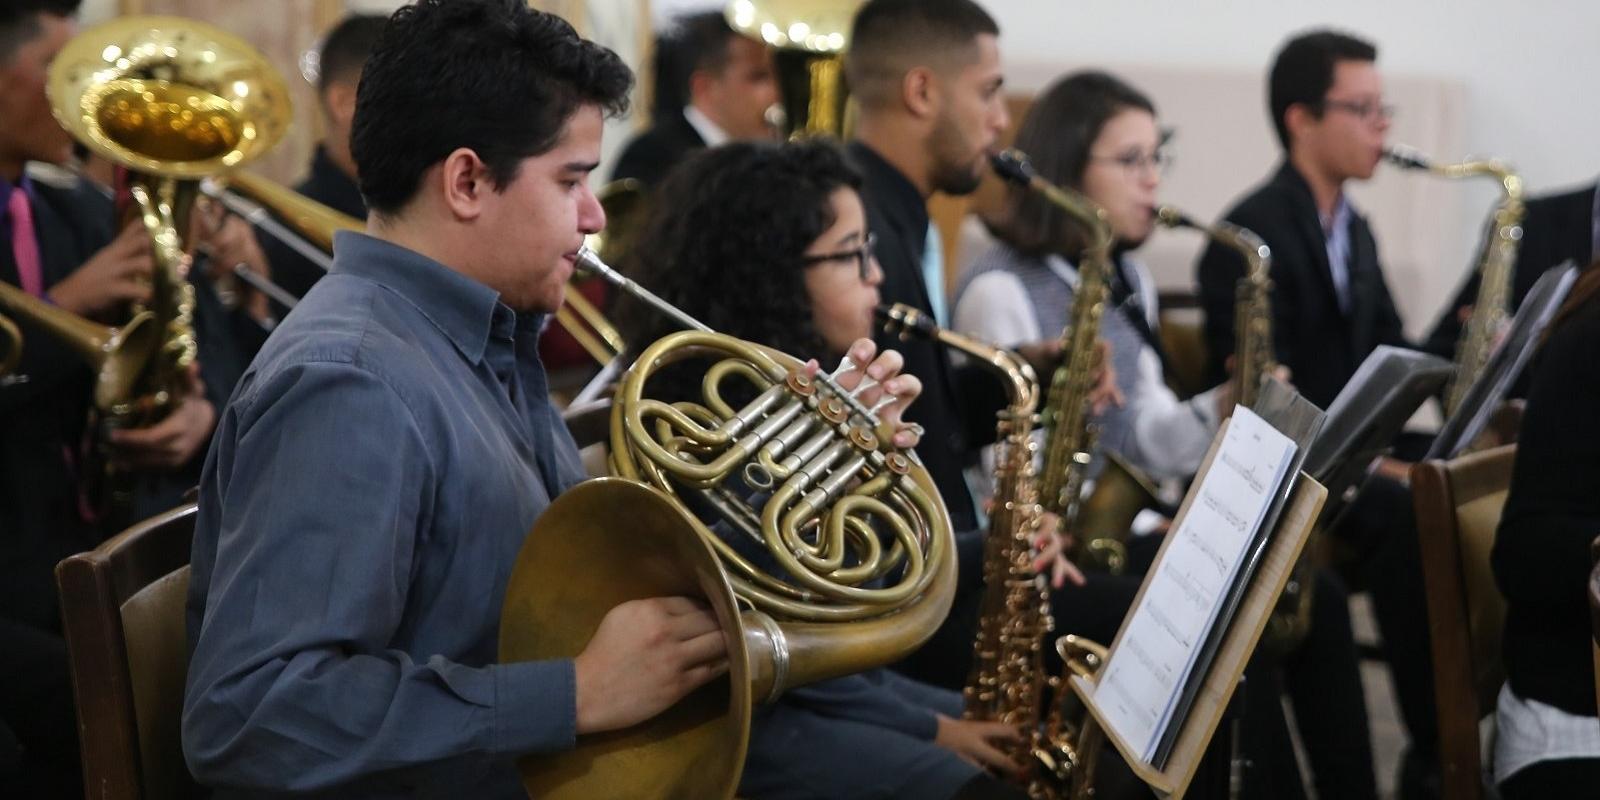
[{"x": 926, "y": 74}]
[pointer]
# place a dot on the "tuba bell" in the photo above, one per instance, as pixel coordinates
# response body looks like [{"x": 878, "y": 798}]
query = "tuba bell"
[
  {"x": 809, "y": 38},
  {"x": 838, "y": 600}
]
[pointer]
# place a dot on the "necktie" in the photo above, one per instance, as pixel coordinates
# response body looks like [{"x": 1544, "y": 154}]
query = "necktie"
[
  {"x": 933, "y": 274},
  {"x": 24, "y": 245}
]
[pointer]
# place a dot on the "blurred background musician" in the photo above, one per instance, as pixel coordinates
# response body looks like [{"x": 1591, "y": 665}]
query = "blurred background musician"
[
  {"x": 726, "y": 83},
  {"x": 1548, "y": 738},
  {"x": 769, "y": 243},
  {"x": 1331, "y": 308},
  {"x": 331, "y": 176},
  {"x": 58, "y": 242},
  {"x": 1556, "y": 228},
  {"x": 1094, "y": 133},
  {"x": 926, "y": 77}
]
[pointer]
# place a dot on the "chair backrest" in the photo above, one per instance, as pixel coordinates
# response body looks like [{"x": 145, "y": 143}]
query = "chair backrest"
[
  {"x": 1458, "y": 504},
  {"x": 122, "y": 608}
]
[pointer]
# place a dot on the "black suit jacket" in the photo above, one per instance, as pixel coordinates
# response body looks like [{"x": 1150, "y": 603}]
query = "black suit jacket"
[
  {"x": 652, "y": 154},
  {"x": 1556, "y": 229},
  {"x": 1320, "y": 344},
  {"x": 958, "y": 405},
  {"x": 43, "y": 417}
]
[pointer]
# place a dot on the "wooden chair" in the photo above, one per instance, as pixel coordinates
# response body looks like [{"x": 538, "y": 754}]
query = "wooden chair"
[
  {"x": 1458, "y": 505},
  {"x": 122, "y": 608}
]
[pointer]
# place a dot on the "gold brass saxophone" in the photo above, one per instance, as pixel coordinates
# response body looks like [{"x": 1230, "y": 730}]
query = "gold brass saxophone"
[
  {"x": 1007, "y": 682},
  {"x": 829, "y": 489},
  {"x": 1495, "y": 264},
  {"x": 171, "y": 101},
  {"x": 1255, "y": 354},
  {"x": 1070, "y": 444}
]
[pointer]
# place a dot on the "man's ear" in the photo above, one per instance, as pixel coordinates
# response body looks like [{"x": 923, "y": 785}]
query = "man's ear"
[
  {"x": 464, "y": 182},
  {"x": 920, "y": 91},
  {"x": 1296, "y": 119},
  {"x": 340, "y": 101}
]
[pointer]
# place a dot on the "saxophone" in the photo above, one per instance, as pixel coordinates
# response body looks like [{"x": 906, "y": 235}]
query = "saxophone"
[
  {"x": 1007, "y": 682},
  {"x": 1255, "y": 360},
  {"x": 1070, "y": 445},
  {"x": 1254, "y": 357},
  {"x": 1495, "y": 265}
]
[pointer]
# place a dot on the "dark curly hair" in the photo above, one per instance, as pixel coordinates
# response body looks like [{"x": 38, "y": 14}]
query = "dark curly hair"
[
  {"x": 726, "y": 242},
  {"x": 494, "y": 76}
]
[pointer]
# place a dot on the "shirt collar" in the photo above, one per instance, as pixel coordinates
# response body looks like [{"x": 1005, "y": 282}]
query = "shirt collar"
[
  {"x": 709, "y": 131},
  {"x": 6, "y": 188},
  {"x": 463, "y": 309},
  {"x": 1339, "y": 220},
  {"x": 890, "y": 186}
]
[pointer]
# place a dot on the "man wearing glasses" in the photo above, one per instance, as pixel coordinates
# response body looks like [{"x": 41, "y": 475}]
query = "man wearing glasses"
[{"x": 1331, "y": 308}]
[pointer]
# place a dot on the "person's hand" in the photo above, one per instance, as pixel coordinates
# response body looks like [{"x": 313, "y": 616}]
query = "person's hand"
[
  {"x": 1105, "y": 393},
  {"x": 645, "y": 656},
  {"x": 1044, "y": 356},
  {"x": 974, "y": 742},
  {"x": 174, "y": 440},
  {"x": 1050, "y": 544},
  {"x": 118, "y": 274},
  {"x": 884, "y": 371},
  {"x": 229, "y": 242}
]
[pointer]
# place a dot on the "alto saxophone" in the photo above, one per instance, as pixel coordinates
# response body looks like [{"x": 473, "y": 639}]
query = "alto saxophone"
[
  {"x": 1072, "y": 437},
  {"x": 1495, "y": 264},
  {"x": 1007, "y": 682}
]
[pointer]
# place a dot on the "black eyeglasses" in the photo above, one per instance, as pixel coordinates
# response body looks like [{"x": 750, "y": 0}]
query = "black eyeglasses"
[
  {"x": 1369, "y": 111},
  {"x": 861, "y": 255}
]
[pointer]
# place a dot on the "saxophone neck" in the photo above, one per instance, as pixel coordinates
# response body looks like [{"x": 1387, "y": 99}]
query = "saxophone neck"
[{"x": 1022, "y": 384}]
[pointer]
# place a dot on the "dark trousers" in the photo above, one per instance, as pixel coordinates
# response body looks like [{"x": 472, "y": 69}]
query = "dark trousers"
[
  {"x": 1571, "y": 777},
  {"x": 39, "y": 758},
  {"x": 1322, "y": 679}
]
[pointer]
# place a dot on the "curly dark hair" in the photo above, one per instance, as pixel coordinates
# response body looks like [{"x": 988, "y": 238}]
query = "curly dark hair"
[
  {"x": 727, "y": 239},
  {"x": 492, "y": 75}
]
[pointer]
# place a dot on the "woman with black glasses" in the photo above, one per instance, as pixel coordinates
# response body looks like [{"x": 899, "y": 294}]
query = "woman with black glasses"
[{"x": 770, "y": 244}]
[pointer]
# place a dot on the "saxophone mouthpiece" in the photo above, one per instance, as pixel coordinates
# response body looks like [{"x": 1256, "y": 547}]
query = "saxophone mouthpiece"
[
  {"x": 1406, "y": 157},
  {"x": 1173, "y": 218},
  {"x": 1012, "y": 165},
  {"x": 902, "y": 319}
]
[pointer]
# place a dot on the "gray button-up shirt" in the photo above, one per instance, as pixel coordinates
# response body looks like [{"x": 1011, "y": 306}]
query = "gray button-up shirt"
[{"x": 364, "y": 498}]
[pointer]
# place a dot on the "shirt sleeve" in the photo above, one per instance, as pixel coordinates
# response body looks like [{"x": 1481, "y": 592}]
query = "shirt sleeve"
[
  {"x": 1170, "y": 436},
  {"x": 995, "y": 308},
  {"x": 315, "y": 494}
]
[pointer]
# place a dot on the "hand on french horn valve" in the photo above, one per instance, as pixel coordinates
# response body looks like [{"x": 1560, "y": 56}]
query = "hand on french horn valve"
[{"x": 877, "y": 382}]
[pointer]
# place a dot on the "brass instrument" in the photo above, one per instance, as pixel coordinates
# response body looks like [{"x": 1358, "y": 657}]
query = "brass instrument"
[
  {"x": 809, "y": 38},
  {"x": 832, "y": 486},
  {"x": 1070, "y": 446},
  {"x": 303, "y": 224},
  {"x": 1495, "y": 265},
  {"x": 12, "y": 339},
  {"x": 1255, "y": 354},
  {"x": 1007, "y": 682},
  {"x": 172, "y": 101}
]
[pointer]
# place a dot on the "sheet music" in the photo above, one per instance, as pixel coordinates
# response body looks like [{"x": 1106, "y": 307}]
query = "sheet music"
[{"x": 1147, "y": 671}]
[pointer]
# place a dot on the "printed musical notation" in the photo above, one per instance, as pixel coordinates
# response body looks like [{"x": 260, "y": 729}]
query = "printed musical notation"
[{"x": 1146, "y": 673}]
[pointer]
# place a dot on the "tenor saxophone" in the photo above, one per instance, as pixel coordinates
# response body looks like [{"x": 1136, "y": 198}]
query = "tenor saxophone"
[{"x": 1495, "y": 264}]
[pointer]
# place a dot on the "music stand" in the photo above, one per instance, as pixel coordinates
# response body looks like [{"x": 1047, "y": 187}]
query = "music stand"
[{"x": 1507, "y": 362}]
